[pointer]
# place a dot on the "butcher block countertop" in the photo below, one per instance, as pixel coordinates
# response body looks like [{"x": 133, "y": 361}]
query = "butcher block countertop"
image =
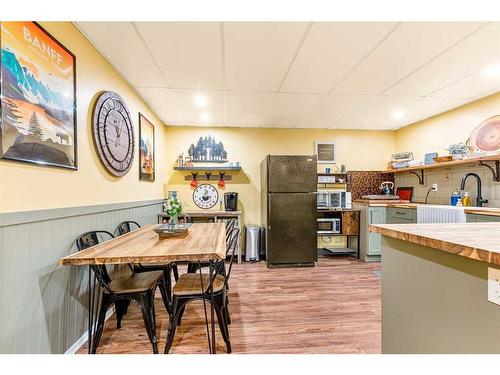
[
  {"x": 490, "y": 211},
  {"x": 477, "y": 241}
]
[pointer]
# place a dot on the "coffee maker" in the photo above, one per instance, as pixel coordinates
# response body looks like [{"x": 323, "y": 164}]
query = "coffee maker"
[{"x": 231, "y": 201}]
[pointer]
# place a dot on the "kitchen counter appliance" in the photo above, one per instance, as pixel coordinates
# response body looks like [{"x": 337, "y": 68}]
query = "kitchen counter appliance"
[
  {"x": 334, "y": 200},
  {"x": 289, "y": 209},
  {"x": 231, "y": 201},
  {"x": 328, "y": 225}
]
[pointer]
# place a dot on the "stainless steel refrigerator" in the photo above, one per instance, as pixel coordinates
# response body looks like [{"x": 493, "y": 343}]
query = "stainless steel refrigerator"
[{"x": 289, "y": 212}]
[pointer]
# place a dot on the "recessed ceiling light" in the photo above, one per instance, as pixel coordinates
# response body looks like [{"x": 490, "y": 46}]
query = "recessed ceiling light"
[
  {"x": 398, "y": 115},
  {"x": 204, "y": 117},
  {"x": 200, "y": 100},
  {"x": 492, "y": 71}
]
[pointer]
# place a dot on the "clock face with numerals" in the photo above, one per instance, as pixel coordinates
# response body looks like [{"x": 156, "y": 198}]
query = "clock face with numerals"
[
  {"x": 205, "y": 196},
  {"x": 113, "y": 133}
]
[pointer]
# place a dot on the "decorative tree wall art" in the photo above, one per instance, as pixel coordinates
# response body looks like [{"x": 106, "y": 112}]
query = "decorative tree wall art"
[
  {"x": 38, "y": 97},
  {"x": 207, "y": 150}
]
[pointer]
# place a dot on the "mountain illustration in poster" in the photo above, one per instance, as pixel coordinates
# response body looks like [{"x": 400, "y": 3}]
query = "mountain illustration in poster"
[
  {"x": 38, "y": 122},
  {"x": 146, "y": 149}
]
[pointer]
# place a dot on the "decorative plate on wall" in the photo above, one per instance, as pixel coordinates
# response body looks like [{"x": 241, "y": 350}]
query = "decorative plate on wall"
[
  {"x": 486, "y": 137},
  {"x": 113, "y": 133}
]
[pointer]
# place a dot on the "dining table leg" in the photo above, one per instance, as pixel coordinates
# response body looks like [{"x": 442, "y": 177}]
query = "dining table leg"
[
  {"x": 90, "y": 312},
  {"x": 94, "y": 305}
]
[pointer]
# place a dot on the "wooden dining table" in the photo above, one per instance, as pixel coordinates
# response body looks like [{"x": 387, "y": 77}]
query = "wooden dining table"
[{"x": 205, "y": 242}]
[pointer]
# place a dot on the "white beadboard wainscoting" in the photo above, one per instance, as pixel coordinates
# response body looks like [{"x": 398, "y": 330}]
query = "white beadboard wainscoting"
[{"x": 43, "y": 306}]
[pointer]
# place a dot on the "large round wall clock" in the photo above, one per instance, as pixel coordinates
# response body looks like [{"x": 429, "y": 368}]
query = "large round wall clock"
[
  {"x": 113, "y": 133},
  {"x": 205, "y": 196}
]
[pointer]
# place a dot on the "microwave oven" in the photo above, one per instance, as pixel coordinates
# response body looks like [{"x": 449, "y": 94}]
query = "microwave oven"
[
  {"x": 336, "y": 200},
  {"x": 328, "y": 225}
]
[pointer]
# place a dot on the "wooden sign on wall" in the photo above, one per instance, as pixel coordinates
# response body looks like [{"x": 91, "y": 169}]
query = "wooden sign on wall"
[{"x": 325, "y": 152}]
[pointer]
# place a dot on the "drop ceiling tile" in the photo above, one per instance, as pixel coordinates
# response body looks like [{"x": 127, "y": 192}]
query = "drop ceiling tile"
[
  {"x": 330, "y": 109},
  {"x": 246, "y": 108},
  {"x": 258, "y": 54},
  {"x": 289, "y": 108},
  {"x": 469, "y": 86},
  {"x": 164, "y": 103},
  {"x": 330, "y": 51},
  {"x": 406, "y": 49},
  {"x": 193, "y": 114},
  {"x": 475, "y": 52},
  {"x": 132, "y": 61},
  {"x": 188, "y": 53}
]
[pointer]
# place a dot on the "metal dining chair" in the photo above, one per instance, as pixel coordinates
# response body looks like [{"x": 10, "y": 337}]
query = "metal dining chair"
[
  {"x": 195, "y": 286},
  {"x": 120, "y": 291},
  {"x": 125, "y": 227},
  {"x": 230, "y": 225}
]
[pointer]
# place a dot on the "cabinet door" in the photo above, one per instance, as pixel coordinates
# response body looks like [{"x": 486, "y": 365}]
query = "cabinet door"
[
  {"x": 374, "y": 244},
  {"x": 377, "y": 215},
  {"x": 470, "y": 218},
  {"x": 486, "y": 218}
]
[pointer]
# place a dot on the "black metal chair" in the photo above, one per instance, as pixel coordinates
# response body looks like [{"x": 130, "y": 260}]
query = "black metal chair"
[
  {"x": 120, "y": 291},
  {"x": 194, "y": 266},
  {"x": 193, "y": 286},
  {"x": 126, "y": 227}
]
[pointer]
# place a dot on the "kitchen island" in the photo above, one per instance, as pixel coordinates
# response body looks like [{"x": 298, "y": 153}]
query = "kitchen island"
[{"x": 435, "y": 288}]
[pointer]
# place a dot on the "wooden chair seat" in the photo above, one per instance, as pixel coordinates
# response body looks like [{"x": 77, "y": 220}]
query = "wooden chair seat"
[
  {"x": 190, "y": 284},
  {"x": 136, "y": 283}
]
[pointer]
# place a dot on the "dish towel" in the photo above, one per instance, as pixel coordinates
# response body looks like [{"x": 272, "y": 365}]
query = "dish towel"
[{"x": 440, "y": 214}]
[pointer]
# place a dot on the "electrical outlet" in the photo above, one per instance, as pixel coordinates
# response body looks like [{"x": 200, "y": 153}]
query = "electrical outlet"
[
  {"x": 494, "y": 285},
  {"x": 434, "y": 187}
]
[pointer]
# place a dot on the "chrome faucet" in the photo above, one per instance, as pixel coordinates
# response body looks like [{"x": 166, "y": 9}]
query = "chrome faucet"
[{"x": 479, "y": 199}]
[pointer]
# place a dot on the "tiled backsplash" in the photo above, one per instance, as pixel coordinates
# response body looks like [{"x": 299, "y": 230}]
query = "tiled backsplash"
[
  {"x": 447, "y": 180},
  {"x": 367, "y": 182}
]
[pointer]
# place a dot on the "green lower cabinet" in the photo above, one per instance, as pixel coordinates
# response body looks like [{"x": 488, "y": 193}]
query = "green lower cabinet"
[
  {"x": 486, "y": 219},
  {"x": 376, "y": 215},
  {"x": 374, "y": 244},
  {"x": 470, "y": 218},
  {"x": 401, "y": 215}
]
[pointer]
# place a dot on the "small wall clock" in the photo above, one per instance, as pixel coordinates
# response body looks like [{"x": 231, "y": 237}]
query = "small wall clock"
[
  {"x": 113, "y": 133},
  {"x": 205, "y": 196}
]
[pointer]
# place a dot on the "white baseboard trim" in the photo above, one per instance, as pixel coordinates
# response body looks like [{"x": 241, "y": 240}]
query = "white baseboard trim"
[{"x": 82, "y": 340}]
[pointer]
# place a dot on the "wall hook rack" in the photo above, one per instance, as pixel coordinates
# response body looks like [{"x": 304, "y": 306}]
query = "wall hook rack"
[
  {"x": 207, "y": 177},
  {"x": 494, "y": 171}
]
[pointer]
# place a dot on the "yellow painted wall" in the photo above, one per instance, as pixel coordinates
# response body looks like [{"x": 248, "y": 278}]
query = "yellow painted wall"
[
  {"x": 437, "y": 133},
  {"x": 362, "y": 150},
  {"x": 29, "y": 187}
]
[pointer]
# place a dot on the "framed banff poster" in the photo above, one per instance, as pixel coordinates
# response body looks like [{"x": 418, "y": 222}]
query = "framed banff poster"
[
  {"x": 146, "y": 149},
  {"x": 38, "y": 97},
  {"x": 325, "y": 152}
]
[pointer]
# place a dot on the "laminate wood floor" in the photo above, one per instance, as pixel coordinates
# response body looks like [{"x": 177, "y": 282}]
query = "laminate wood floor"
[{"x": 334, "y": 307}]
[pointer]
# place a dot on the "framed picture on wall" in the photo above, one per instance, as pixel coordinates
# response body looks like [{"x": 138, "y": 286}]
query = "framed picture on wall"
[
  {"x": 146, "y": 149},
  {"x": 325, "y": 152},
  {"x": 38, "y": 97}
]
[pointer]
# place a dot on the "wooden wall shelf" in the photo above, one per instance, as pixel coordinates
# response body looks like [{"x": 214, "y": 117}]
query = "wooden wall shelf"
[
  {"x": 418, "y": 170},
  {"x": 208, "y": 169},
  {"x": 332, "y": 174}
]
